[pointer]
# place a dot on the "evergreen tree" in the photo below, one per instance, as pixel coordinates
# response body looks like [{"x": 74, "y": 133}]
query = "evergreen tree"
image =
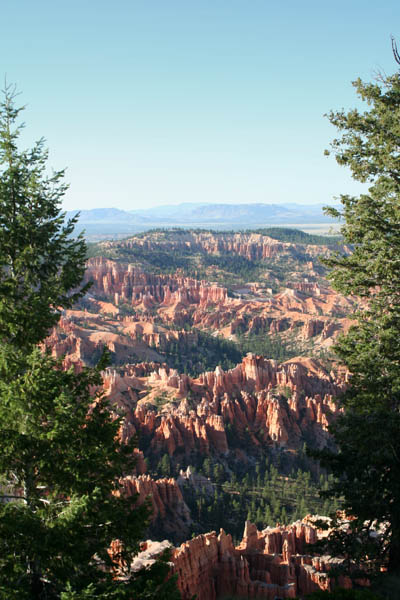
[
  {"x": 268, "y": 516},
  {"x": 61, "y": 459},
  {"x": 165, "y": 466},
  {"x": 207, "y": 467},
  {"x": 218, "y": 472},
  {"x": 368, "y": 434},
  {"x": 41, "y": 265}
]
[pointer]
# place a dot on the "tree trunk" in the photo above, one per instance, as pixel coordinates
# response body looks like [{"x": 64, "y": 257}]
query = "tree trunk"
[{"x": 37, "y": 587}]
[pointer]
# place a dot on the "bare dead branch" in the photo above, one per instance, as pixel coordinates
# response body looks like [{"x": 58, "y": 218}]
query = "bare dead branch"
[{"x": 395, "y": 51}]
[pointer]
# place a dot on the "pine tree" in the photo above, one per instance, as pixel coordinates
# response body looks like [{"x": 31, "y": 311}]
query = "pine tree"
[
  {"x": 368, "y": 434},
  {"x": 218, "y": 473},
  {"x": 61, "y": 459},
  {"x": 41, "y": 265},
  {"x": 207, "y": 467},
  {"x": 268, "y": 516},
  {"x": 165, "y": 466}
]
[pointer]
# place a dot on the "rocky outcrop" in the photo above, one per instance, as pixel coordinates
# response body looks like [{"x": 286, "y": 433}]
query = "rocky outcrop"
[
  {"x": 253, "y": 246},
  {"x": 269, "y": 564},
  {"x": 139, "y": 315},
  {"x": 305, "y": 310},
  {"x": 196, "y": 481},
  {"x": 275, "y": 404},
  {"x": 169, "y": 510},
  {"x": 81, "y": 336},
  {"x": 123, "y": 282}
]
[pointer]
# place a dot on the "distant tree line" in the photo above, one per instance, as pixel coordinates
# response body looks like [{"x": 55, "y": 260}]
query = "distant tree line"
[
  {"x": 209, "y": 351},
  {"x": 205, "y": 354},
  {"x": 297, "y": 236},
  {"x": 263, "y": 496}
]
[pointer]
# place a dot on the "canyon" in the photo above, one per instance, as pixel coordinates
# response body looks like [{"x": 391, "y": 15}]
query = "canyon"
[
  {"x": 220, "y": 350},
  {"x": 169, "y": 309}
]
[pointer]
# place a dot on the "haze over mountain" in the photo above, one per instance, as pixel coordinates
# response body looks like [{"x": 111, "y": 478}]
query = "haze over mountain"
[{"x": 101, "y": 222}]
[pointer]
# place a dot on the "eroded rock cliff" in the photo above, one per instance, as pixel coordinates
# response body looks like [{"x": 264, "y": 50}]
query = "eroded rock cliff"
[
  {"x": 281, "y": 405},
  {"x": 302, "y": 310},
  {"x": 169, "y": 511},
  {"x": 266, "y": 564}
]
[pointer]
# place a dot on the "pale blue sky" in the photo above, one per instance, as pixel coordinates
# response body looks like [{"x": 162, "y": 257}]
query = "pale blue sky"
[{"x": 165, "y": 101}]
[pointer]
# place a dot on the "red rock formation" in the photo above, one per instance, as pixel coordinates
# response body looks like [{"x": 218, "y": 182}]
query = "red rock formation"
[
  {"x": 274, "y": 404},
  {"x": 131, "y": 284},
  {"x": 267, "y": 564},
  {"x": 253, "y": 246},
  {"x": 179, "y": 300},
  {"x": 166, "y": 500},
  {"x": 81, "y": 336},
  {"x": 305, "y": 311}
]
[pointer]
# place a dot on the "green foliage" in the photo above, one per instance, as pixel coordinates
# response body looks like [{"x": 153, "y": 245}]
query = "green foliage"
[
  {"x": 242, "y": 267},
  {"x": 261, "y": 495},
  {"x": 200, "y": 353},
  {"x": 203, "y": 351},
  {"x": 166, "y": 254},
  {"x": 368, "y": 461},
  {"x": 270, "y": 346},
  {"x": 161, "y": 399},
  {"x": 41, "y": 266},
  {"x": 150, "y": 583},
  {"x": 297, "y": 236},
  {"x": 61, "y": 458},
  {"x": 387, "y": 586},
  {"x": 164, "y": 467},
  {"x": 154, "y": 582},
  {"x": 365, "y": 471}
]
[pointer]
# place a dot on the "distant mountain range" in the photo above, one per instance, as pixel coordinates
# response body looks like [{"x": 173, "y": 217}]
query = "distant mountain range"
[{"x": 112, "y": 222}]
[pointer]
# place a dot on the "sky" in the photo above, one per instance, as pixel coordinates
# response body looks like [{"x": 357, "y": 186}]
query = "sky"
[{"x": 159, "y": 102}]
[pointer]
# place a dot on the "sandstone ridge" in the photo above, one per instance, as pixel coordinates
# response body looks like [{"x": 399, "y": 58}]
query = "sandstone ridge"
[{"x": 253, "y": 246}]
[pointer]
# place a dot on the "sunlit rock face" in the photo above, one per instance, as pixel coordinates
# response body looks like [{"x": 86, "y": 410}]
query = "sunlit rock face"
[
  {"x": 304, "y": 310},
  {"x": 275, "y": 405},
  {"x": 269, "y": 564}
]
